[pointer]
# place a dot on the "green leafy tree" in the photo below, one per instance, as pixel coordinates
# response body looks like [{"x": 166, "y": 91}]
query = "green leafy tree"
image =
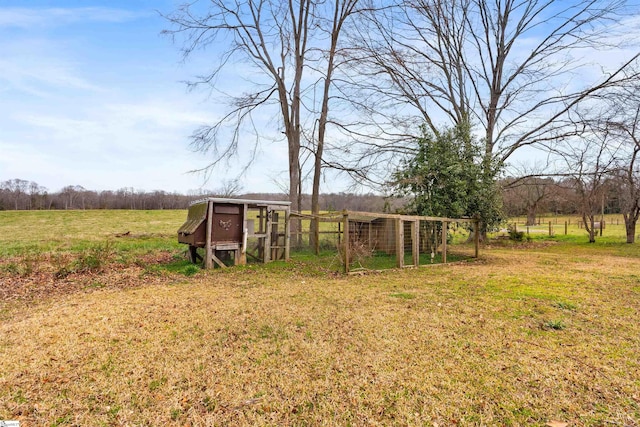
[{"x": 447, "y": 177}]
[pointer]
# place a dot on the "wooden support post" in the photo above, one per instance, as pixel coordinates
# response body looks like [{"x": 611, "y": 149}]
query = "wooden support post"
[
  {"x": 316, "y": 234},
  {"x": 445, "y": 226},
  {"x": 566, "y": 228},
  {"x": 208, "y": 262},
  {"x": 476, "y": 237},
  {"x": 287, "y": 235},
  {"x": 601, "y": 226},
  {"x": 267, "y": 238},
  {"x": 217, "y": 261},
  {"x": 345, "y": 231},
  {"x": 550, "y": 229},
  {"x": 242, "y": 253},
  {"x": 415, "y": 242},
  {"x": 399, "y": 243},
  {"x": 275, "y": 218}
]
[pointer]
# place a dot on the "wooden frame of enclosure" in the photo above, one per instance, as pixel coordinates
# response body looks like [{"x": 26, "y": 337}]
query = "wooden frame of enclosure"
[
  {"x": 398, "y": 233},
  {"x": 222, "y": 226}
]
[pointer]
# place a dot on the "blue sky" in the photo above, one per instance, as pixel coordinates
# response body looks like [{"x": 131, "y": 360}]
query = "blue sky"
[{"x": 91, "y": 94}]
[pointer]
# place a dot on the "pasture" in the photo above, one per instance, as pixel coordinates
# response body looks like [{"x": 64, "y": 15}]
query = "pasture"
[{"x": 102, "y": 322}]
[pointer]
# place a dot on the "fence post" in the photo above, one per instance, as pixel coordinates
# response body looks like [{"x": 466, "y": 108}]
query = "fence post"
[
  {"x": 565, "y": 228},
  {"x": 208, "y": 262},
  {"x": 287, "y": 235},
  {"x": 345, "y": 231},
  {"x": 399, "y": 243},
  {"x": 476, "y": 236},
  {"x": 268, "y": 236},
  {"x": 316, "y": 234},
  {"x": 550, "y": 233},
  {"x": 445, "y": 225},
  {"x": 415, "y": 240}
]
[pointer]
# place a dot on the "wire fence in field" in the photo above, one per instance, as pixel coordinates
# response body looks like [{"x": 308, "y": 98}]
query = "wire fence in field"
[
  {"x": 564, "y": 225},
  {"x": 352, "y": 241}
]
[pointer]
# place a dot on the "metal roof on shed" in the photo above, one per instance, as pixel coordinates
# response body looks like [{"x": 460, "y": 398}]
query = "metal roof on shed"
[
  {"x": 243, "y": 202},
  {"x": 196, "y": 216}
]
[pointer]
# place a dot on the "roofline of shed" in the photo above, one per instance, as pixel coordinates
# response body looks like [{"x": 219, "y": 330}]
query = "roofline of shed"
[
  {"x": 241, "y": 201},
  {"x": 360, "y": 216}
]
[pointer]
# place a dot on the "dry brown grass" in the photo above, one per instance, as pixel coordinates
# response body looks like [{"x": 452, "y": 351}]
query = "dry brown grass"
[{"x": 520, "y": 338}]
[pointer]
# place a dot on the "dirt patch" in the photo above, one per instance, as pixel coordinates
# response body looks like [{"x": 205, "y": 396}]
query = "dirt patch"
[
  {"x": 45, "y": 281},
  {"x": 507, "y": 243}
]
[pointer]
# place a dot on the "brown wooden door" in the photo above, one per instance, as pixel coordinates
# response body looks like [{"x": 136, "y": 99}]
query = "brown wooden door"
[{"x": 227, "y": 223}]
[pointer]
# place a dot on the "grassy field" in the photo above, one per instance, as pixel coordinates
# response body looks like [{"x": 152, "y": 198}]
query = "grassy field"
[{"x": 103, "y": 330}]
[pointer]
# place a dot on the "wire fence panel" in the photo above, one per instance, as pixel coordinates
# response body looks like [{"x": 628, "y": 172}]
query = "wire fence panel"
[{"x": 353, "y": 241}]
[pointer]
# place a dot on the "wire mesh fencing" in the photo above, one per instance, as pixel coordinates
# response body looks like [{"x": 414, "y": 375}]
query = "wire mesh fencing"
[{"x": 353, "y": 241}]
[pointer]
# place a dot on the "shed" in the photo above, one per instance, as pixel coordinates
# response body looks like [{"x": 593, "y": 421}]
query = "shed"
[{"x": 236, "y": 228}]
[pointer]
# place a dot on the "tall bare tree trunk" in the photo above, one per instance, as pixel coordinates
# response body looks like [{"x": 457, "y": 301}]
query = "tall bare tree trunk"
[
  {"x": 342, "y": 10},
  {"x": 531, "y": 215}
]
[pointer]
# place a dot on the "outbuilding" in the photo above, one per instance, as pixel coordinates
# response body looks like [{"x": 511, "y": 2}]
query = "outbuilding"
[{"x": 234, "y": 229}]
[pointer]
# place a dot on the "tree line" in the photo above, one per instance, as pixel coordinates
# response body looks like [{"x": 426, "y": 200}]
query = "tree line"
[{"x": 20, "y": 194}]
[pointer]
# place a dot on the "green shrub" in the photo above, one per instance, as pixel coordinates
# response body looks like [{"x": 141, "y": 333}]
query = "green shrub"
[
  {"x": 95, "y": 257},
  {"x": 517, "y": 236},
  {"x": 190, "y": 270},
  {"x": 556, "y": 325}
]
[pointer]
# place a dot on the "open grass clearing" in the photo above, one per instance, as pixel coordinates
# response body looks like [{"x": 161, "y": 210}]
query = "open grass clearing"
[{"x": 532, "y": 332}]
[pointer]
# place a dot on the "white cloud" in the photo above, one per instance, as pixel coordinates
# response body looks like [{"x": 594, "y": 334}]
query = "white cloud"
[{"x": 40, "y": 67}]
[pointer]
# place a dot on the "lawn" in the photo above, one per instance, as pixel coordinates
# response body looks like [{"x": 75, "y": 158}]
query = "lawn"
[{"x": 531, "y": 333}]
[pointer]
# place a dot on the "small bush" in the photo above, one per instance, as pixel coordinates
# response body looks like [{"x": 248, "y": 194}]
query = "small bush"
[
  {"x": 62, "y": 265},
  {"x": 517, "y": 236},
  {"x": 556, "y": 325},
  {"x": 28, "y": 262},
  {"x": 359, "y": 253},
  {"x": 190, "y": 270},
  {"x": 11, "y": 268},
  {"x": 95, "y": 257},
  {"x": 565, "y": 305},
  {"x": 31, "y": 260}
]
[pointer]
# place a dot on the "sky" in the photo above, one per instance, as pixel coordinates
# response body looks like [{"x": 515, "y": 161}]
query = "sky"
[{"x": 92, "y": 94}]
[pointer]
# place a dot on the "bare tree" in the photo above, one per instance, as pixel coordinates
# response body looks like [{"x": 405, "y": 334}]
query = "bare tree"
[
  {"x": 272, "y": 37},
  {"x": 228, "y": 188},
  {"x": 74, "y": 196},
  {"x": 622, "y": 123},
  {"x": 17, "y": 189},
  {"x": 589, "y": 159},
  {"x": 342, "y": 10},
  {"x": 527, "y": 195},
  {"x": 507, "y": 66},
  {"x": 37, "y": 196}
]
